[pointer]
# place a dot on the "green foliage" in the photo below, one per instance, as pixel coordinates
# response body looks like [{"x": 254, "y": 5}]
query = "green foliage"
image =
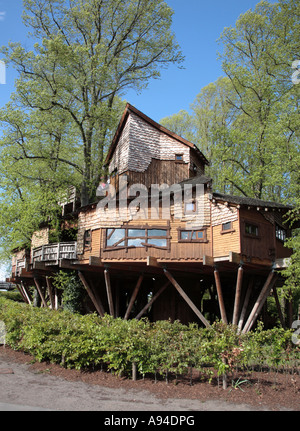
[
  {"x": 73, "y": 291},
  {"x": 76, "y": 341}
]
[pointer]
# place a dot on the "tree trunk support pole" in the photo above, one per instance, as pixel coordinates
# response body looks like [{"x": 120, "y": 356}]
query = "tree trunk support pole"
[
  {"x": 220, "y": 296},
  {"x": 133, "y": 297},
  {"x": 97, "y": 303},
  {"x": 260, "y": 301},
  {"x": 158, "y": 293},
  {"x": 50, "y": 292},
  {"x": 237, "y": 300},
  {"x": 245, "y": 304},
  {"x": 186, "y": 298},
  {"x": 109, "y": 292},
  {"x": 26, "y": 293},
  {"x": 39, "y": 289}
]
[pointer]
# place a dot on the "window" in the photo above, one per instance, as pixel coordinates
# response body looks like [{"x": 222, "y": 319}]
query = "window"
[
  {"x": 227, "y": 227},
  {"x": 280, "y": 233},
  {"x": 192, "y": 235},
  {"x": 179, "y": 157},
  {"x": 190, "y": 207},
  {"x": 87, "y": 239},
  {"x": 136, "y": 237},
  {"x": 251, "y": 229}
]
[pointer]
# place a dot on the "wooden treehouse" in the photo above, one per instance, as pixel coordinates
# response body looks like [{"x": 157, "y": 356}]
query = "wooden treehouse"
[{"x": 160, "y": 243}]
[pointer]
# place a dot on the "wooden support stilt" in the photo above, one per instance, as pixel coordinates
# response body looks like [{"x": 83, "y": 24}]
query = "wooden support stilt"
[
  {"x": 39, "y": 289},
  {"x": 260, "y": 301},
  {"x": 220, "y": 296},
  {"x": 237, "y": 300},
  {"x": 290, "y": 310},
  {"x": 278, "y": 307},
  {"x": 245, "y": 305},
  {"x": 154, "y": 298},
  {"x": 133, "y": 296},
  {"x": 26, "y": 293},
  {"x": 109, "y": 292},
  {"x": 50, "y": 292},
  {"x": 186, "y": 298},
  {"x": 20, "y": 289},
  {"x": 55, "y": 299},
  {"x": 117, "y": 300},
  {"x": 96, "y": 302}
]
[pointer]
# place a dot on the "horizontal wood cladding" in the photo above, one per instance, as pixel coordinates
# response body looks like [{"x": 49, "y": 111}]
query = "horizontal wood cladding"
[
  {"x": 174, "y": 251},
  {"x": 261, "y": 245},
  {"x": 225, "y": 242},
  {"x": 160, "y": 172},
  {"x": 217, "y": 241}
]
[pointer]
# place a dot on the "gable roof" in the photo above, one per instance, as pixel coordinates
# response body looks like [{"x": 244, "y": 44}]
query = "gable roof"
[{"x": 129, "y": 108}]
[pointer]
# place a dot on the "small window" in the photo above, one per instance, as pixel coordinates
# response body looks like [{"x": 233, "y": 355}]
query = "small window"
[
  {"x": 280, "y": 233},
  {"x": 190, "y": 207},
  {"x": 251, "y": 229},
  {"x": 87, "y": 240},
  {"x": 227, "y": 226},
  {"x": 179, "y": 157},
  {"x": 192, "y": 235}
]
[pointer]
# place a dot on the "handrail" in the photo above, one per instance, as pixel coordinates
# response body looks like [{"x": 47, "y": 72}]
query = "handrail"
[{"x": 54, "y": 252}]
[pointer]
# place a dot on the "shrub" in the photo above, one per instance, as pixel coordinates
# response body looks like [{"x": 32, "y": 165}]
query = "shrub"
[{"x": 76, "y": 341}]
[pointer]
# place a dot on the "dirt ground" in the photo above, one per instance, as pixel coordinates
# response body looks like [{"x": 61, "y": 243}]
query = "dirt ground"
[{"x": 49, "y": 386}]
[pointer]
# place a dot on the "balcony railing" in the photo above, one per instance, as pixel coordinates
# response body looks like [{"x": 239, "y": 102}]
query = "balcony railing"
[
  {"x": 20, "y": 264},
  {"x": 52, "y": 253}
]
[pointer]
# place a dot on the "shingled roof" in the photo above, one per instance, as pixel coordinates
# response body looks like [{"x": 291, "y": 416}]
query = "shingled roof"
[{"x": 243, "y": 200}]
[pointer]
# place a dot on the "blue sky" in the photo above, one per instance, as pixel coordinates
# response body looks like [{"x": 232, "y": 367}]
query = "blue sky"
[{"x": 197, "y": 25}]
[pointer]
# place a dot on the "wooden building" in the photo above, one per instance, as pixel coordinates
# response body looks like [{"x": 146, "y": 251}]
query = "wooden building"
[{"x": 160, "y": 242}]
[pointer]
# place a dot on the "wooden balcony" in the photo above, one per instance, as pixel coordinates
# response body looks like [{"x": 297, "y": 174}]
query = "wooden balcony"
[{"x": 51, "y": 254}]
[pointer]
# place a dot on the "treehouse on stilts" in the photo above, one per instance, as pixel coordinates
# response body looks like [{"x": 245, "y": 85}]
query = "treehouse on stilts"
[{"x": 159, "y": 242}]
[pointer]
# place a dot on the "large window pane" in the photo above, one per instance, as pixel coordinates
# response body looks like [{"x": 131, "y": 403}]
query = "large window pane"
[
  {"x": 136, "y": 242},
  {"x": 136, "y": 232},
  {"x": 116, "y": 236},
  {"x": 158, "y": 242},
  {"x": 157, "y": 232}
]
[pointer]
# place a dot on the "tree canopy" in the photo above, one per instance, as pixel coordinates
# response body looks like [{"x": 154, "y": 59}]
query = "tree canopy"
[
  {"x": 67, "y": 101},
  {"x": 247, "y": 123}
]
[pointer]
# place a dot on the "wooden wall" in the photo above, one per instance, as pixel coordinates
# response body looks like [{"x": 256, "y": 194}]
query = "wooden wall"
[
  {"x": 223, "y": 241},
  {"x": 263, "y": 245}
]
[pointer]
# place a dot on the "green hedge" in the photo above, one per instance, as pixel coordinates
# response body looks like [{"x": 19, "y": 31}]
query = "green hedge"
[{"x": 162, "y": 347}]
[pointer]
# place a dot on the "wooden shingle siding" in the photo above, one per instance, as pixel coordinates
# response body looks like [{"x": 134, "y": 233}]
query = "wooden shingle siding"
[{"x": 225, "y": 242}]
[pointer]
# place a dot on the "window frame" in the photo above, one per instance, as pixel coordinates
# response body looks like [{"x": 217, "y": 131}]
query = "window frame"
[
  {"x": 281, "y": 229},
  {"x": 190, "y": 239},
  {"x": 145, "y": 245},
  {"x": 230, "y": 230},
  {"x": 179, "y": 158},
  {"x": 252, "y": 235},
  {"x": 87, "y": 240}
]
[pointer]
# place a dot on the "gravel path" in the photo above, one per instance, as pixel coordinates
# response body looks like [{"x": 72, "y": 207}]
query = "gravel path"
[{"x": 24, "y": 389}]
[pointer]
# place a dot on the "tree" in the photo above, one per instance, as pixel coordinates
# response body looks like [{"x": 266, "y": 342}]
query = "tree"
[
  {"x": 87, "y": 53},
  {"x": 257, "y": 58},
  {"x": 67, "y": 102},
  {"x": 248, "y": 123}
]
